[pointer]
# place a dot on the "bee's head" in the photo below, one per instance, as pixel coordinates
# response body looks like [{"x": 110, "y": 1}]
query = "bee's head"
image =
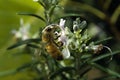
[{"x": 51, "y": 28}]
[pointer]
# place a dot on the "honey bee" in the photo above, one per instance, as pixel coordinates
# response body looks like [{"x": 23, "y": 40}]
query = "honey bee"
[{"x": 49, "y": 41}]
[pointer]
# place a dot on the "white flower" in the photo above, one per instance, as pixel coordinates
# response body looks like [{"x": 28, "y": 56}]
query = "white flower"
[
  {"x": 63, "y": 38},
  {"x": 23, "y": 32},
  {"x": 61, "y": 24}
]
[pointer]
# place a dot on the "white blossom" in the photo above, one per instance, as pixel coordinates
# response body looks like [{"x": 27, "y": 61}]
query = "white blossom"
[
  {"x": 63, "y": 38},
  {"x": 23, "y": 32}
]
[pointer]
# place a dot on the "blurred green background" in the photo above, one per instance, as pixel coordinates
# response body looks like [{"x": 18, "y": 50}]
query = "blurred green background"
[{"x": 9, "y": 20}]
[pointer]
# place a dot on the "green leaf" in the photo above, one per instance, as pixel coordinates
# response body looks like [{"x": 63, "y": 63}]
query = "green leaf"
[
  {"x": 86, "y": 56},
  {"x": 34, "y": 15},
  {"x": 103, "y": 40},
  {"x": 115, "y": 15},
  {"x": 42, "y": 4},
  {"x": 33, "y": 45},
  {"x": 27, "y": 65},
  {"x": 107, "y": 70},
  {"x": 64, "y": 69},
  {"x": 19, "y": 43},
  {"x": 52, "y": 10}
]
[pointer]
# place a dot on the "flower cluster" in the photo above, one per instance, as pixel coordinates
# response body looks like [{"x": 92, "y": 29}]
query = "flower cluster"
[
  {"x": 76, "y": 40},
  {"x": 73, "y": 40}
]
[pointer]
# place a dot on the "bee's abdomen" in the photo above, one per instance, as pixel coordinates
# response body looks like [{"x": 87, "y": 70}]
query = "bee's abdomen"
[{"x": 54, "y": 51}]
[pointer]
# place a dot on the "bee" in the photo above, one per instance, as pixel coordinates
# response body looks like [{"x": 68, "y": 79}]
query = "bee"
[{"x": 49, "y": 41}]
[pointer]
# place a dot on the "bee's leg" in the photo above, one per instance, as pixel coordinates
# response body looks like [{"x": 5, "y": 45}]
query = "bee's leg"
[{"x": 58, "y": 43}]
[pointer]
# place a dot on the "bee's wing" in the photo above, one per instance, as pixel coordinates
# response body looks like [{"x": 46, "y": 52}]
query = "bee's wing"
[{"x": 66, "y": 52}]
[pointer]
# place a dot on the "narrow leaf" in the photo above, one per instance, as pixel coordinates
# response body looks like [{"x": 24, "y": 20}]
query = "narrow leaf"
[
  {"x": 86, "y": 56},
  {"x": 115, "y": 15},
  {"x": 34, "y": 15},
  {"x": 100, "y": 41},
  {"x": 23, "y": 42},
  {"x": 33, "y": 45},
  {"x": 54, "y": 74},
  {"x": 27, "y": 65},
  {"x": 42, "y": 4},
  {"x": 106, "y": 70}
]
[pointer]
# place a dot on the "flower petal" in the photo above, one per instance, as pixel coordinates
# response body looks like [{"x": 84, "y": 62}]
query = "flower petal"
[
  {"x": 61, "y": 24},
  {"x": 66, "y": 52}
]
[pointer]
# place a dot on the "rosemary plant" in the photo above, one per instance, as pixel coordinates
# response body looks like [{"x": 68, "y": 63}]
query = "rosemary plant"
[{"x": 80, "y": 52}]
